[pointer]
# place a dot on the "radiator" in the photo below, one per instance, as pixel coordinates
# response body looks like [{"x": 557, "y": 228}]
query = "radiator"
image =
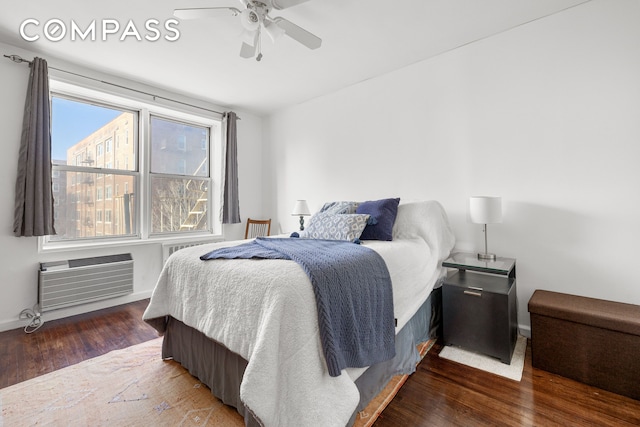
[
  {"x": 78, "y": 281},
  {"x": 169, "y": 248}
]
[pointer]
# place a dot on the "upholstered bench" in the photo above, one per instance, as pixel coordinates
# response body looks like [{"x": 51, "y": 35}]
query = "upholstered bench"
[{"x": 593, "y": 341}]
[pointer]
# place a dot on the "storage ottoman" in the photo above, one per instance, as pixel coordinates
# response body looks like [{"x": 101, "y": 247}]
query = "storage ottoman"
[{"x": 593, "y": 341}]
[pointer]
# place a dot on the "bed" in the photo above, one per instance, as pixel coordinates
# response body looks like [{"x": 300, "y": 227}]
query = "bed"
[{"x": 248, "y": 328}]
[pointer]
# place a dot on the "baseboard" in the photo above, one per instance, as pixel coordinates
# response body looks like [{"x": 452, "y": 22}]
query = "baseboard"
[
  {"x": 9, "y": 324},
  {"x": 525, "y": 330}
]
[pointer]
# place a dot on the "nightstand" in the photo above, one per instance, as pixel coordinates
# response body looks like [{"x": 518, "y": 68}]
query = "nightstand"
[{"x": 479, "y": 305}]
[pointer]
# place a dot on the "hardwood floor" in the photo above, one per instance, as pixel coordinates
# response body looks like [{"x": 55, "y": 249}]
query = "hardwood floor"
[
  {"x": 440, "y": 393},
  {"x": 65, "y": 342},
  {"x": 445, "y": 393}
]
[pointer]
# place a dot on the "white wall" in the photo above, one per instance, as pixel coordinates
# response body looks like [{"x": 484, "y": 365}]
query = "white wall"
[
  {"x": 19, "y": 257},
  {"x": 546, "y": 115}
]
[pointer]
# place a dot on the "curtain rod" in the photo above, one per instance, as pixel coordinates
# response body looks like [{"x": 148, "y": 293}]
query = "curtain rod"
[{"x": 18, "y": 59}]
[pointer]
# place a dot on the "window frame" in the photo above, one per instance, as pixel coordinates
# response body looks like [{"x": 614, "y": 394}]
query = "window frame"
[
  {"x": 181, "y": 147},
  {"x": 145, "y": 110}
]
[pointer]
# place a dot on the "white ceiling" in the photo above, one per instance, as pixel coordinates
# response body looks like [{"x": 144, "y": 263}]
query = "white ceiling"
[{"x": 361, "y": 40}]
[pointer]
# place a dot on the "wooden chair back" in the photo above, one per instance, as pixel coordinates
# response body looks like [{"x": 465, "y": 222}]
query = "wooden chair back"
[{"x": 257, "y": 227}]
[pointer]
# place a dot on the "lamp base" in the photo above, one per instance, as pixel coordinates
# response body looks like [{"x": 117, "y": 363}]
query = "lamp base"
[{"x": 487, "y": 257}]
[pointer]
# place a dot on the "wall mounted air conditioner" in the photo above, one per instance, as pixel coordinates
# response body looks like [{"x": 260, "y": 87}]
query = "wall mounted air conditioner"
[{"x": 79, "y": 281}]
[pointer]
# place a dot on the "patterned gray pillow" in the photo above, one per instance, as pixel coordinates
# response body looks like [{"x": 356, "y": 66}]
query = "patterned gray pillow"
[
  {"x": 330, "y": 226},
  {"x": 340, "y": 207}
]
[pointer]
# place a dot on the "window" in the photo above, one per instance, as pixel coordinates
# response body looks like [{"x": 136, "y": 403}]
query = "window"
[
  {"x": 177, "y": 192},
  {"x": 182, "y": 167},
  {"x": 180, "y": 181},
  {"x": 182, "y": 143}
]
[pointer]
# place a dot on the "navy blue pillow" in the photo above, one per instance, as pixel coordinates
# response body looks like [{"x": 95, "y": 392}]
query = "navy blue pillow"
[{"x": 385, "y": 212}]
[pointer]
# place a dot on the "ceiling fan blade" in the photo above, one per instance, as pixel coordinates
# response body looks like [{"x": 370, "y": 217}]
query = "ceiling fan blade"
[
  {"x": 297, "y": 33},
  {"x": 247, "y": 50},
  {"x": 283, "y": 4},
  {"x": 205, "y": 12}
]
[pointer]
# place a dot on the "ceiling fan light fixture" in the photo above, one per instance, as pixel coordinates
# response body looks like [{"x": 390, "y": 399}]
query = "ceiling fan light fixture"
[{"x": 250, "y": 20}]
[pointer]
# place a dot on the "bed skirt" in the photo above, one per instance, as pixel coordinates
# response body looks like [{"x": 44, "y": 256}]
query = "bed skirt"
[{"x": 222, "y": 370}]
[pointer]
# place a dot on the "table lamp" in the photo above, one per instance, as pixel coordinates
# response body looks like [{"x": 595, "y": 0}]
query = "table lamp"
[
  {"x": 301, "y": 209},
  {"x": 485, "y": 210}
]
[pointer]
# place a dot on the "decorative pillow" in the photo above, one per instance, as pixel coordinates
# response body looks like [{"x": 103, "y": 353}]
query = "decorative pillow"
[
  {"x": 329, "y": 226},
  {"x": 384, "y": 213},
  {"x": 340, "y": 207}
]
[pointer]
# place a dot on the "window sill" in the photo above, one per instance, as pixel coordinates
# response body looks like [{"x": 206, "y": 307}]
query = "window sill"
[{"x": 48, "y": 247}]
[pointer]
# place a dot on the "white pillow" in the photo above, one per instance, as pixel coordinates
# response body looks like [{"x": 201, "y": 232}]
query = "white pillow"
[{"x": 427, "y": 220}]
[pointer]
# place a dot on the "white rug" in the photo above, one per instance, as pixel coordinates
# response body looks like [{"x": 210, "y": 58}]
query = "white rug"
[{"x": 490, "y": 364}]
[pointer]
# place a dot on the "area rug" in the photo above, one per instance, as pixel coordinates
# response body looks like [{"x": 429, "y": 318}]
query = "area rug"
[
  {"x": 129, "y": 387},
  {"x": 490, "y": 364},
  {"x": 132, "y": 387}
]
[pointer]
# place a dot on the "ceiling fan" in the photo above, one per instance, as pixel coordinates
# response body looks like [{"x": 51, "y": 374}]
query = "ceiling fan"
[{"x": 256, "y": 21}]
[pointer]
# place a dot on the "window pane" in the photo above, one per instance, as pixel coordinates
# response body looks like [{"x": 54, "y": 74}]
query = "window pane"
[
  {"x": 178, "y": 204},
  {"x": 86, "y": 206},
  {"x": 82, "y": 134},
  {"x": 179, "y": 148}
]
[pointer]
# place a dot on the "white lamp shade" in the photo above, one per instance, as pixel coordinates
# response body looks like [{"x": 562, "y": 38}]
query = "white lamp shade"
[
  {"x": 485, "y": 209},
  {"x": 301, "y": 208}
]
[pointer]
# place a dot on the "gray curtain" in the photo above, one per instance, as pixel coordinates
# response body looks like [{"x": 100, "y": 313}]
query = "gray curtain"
[
  {"x": 231, "y": 204},
  {"x": 33, "y": 214}
]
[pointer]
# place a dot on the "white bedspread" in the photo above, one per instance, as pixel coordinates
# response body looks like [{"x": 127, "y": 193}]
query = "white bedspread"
[{"x": 264, "y": 310}]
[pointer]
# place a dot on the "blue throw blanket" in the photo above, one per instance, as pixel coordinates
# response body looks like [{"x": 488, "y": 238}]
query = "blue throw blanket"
[{"x": 353, "y": 294}]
